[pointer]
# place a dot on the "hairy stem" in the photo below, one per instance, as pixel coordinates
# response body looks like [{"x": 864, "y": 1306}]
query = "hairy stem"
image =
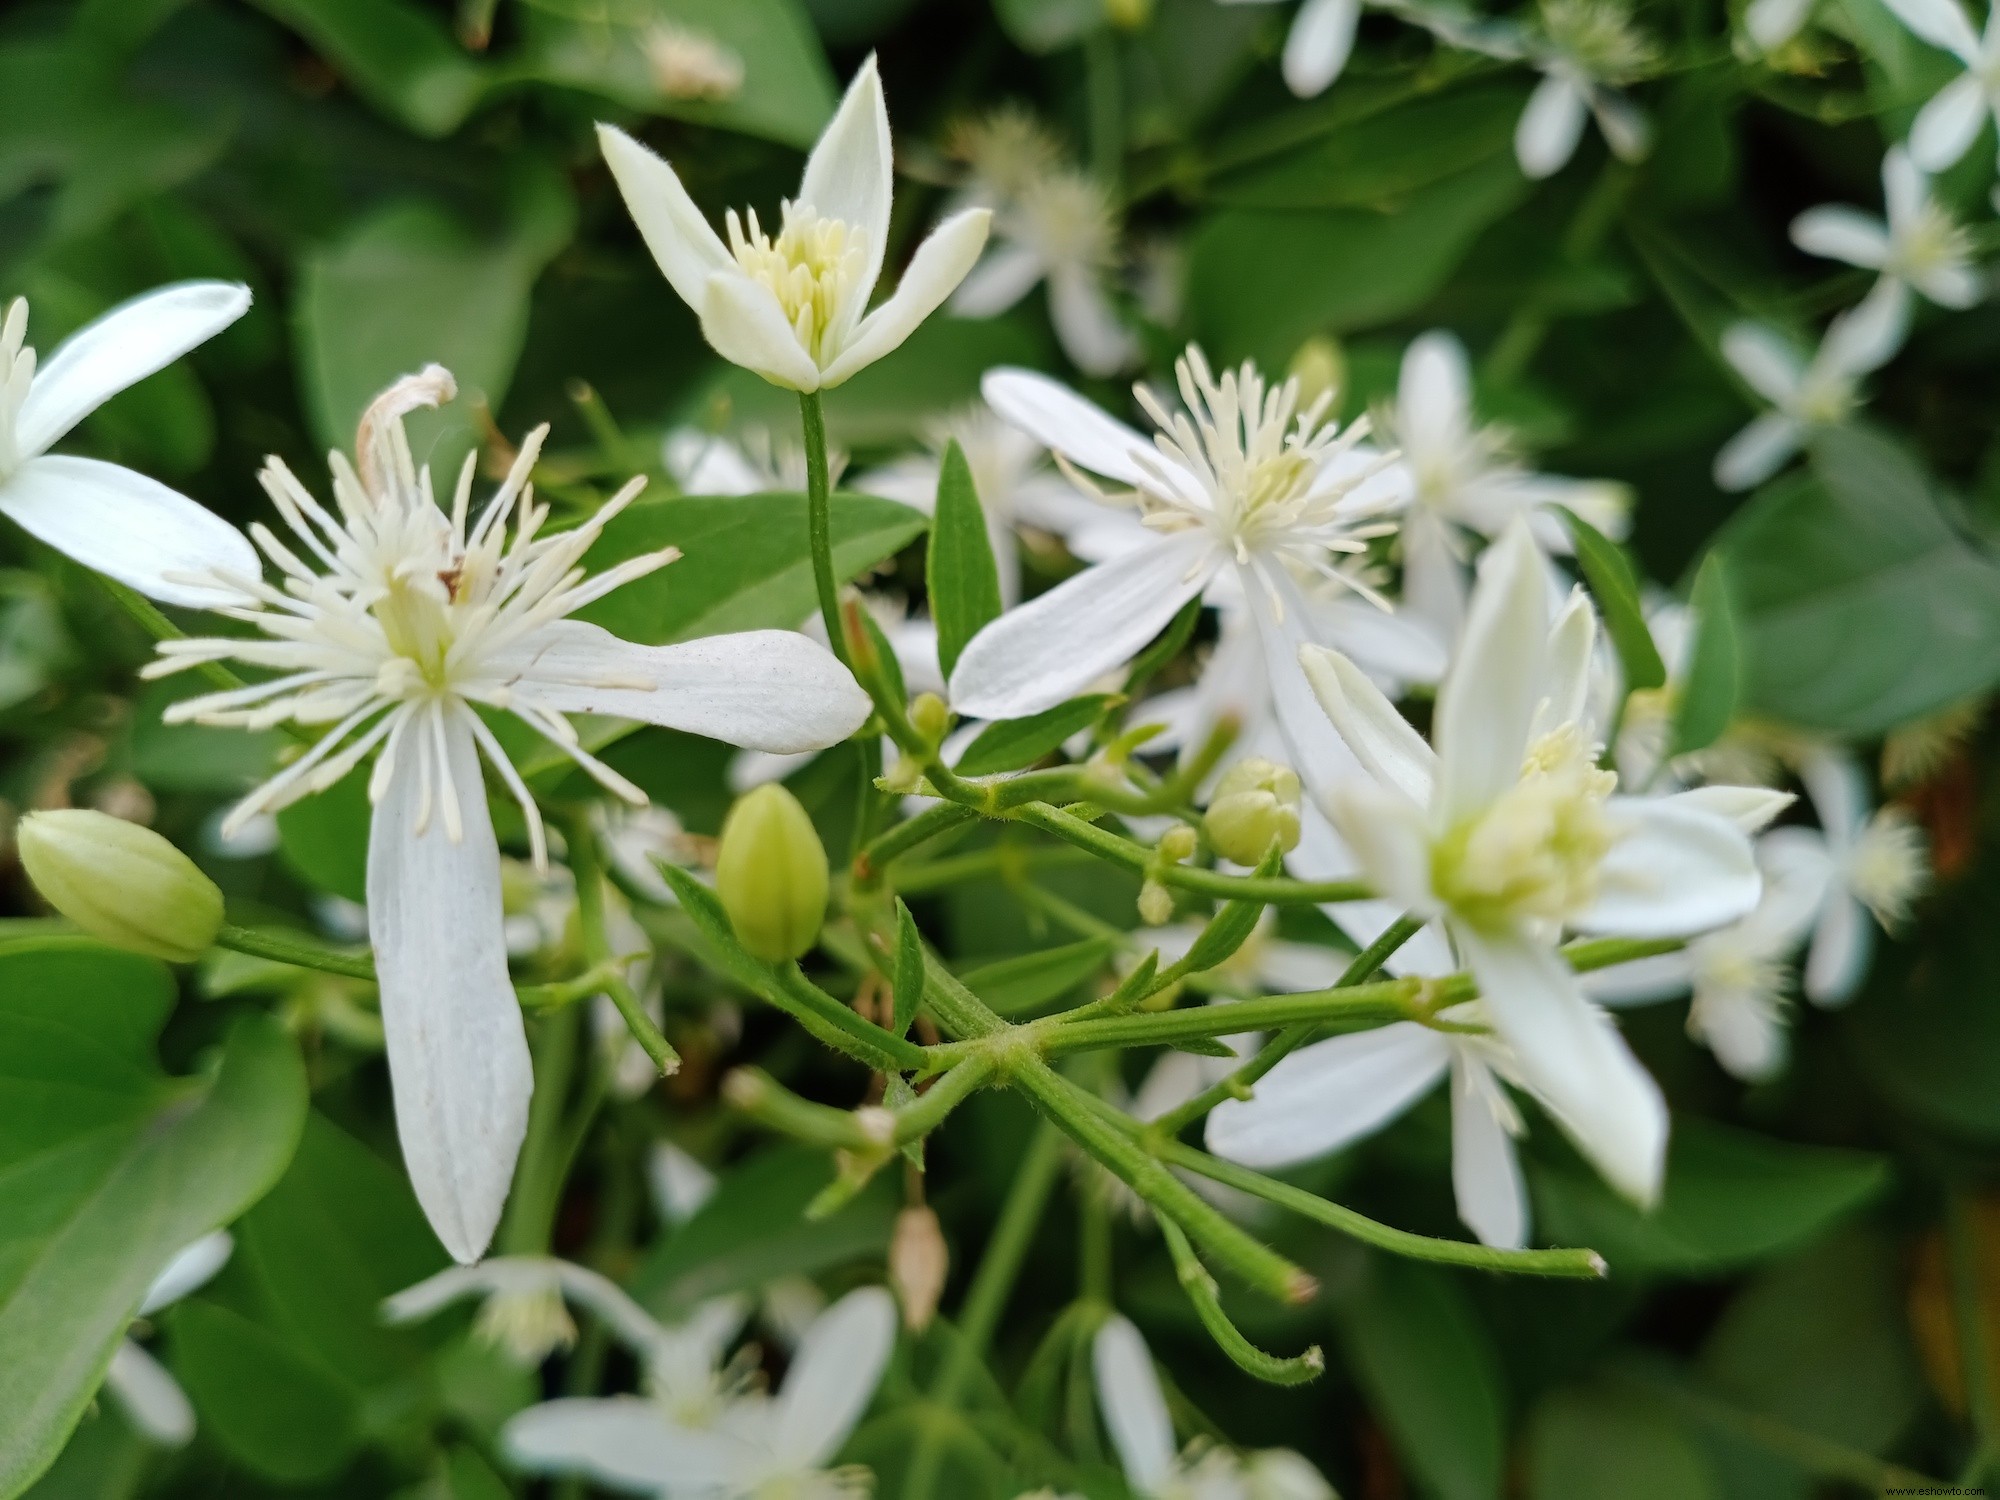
[{"x": 819, "y": 518}]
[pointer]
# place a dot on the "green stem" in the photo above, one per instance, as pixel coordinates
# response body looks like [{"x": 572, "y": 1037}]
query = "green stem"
[
  {"x": 301, "y": 953},
  {"x": 877, "y": 855},
  {"x": 819, "y": 518},
  {"x": 588, "y": 869},
  {"x": 146, "y": 615},
  {"x": 1201, "y": 1290},
  {"x": 1005, "y": 860},
  {"x": 538, "y": 1181},
  {"x": 1353, "y": 1008}
]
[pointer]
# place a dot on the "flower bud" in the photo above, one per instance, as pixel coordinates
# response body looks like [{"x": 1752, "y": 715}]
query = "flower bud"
[
  {"x": 770, "y": 872},
  {"x": 918, "y": 1261},
  {"x": 1178, "y": 843},
  {"x": 1156, "y": 904},
  {"x": 1255, "y": 806},
  {"x": 120, "y": 882},
  {"x": 1320, "y": 367},
  {"x": 930, "y": 716}
]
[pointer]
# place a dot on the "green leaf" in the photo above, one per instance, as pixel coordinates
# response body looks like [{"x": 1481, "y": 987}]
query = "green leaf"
[
  {"x": 108, "y": 1167},
  {"x": 1010, "y": 744},
  {"x": 324, "y": 837},
  {"x": 1731, "y": 1198},
  {"x": 1431, "y": 1373},
  {"x": 1591, "y": 1444},
  {"x": 909, "y": 978},
  {"x": 1165, "y": 647},
  {"x": 265, "y": 1402},
  {"x": 1016, "y": 986},
  {"x": 1048, "y": 25},
  {"x": 1861, "y": 606},
  {"x": 744, "y": 564},
  {"x": 1614, "y": 583},
  {"x": 397, "y": 56},
  {"x": 1715, "y": 664},
  {"x": 963, "y": 580}
]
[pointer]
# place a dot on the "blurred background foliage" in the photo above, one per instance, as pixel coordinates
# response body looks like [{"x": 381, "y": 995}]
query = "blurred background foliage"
[{"x": 1815, "y": 1309}]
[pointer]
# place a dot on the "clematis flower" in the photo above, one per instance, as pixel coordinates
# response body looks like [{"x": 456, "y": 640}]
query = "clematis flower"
[
  {"x": 412, "y": 617},
  {"x": 1946, "y": 127},
  {"x": 1920, "y": 247},
  {"x": 793, "y": 306},
  {"x": 121, "y": 523},
  {"x": 1135, "y": 1414},
  {"x": 1462, "y": 479},
  {"x": 1507, "y": 832},
  {"x": 753, "y": 463},
  {"x": 1859, "y": 867},
  {"x": 149, "y": 1395},
  {"x": 1587, "y": 50},
  {"x": 1239, "y": 489},
  {"x": 1804, "y": 395},
  {"x": 1062, "y": 229},
  {"x": 755, "y": 1445}
]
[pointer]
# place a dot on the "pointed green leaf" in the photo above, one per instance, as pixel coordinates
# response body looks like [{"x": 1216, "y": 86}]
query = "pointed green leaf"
[
  {"x": 909, "y": 970},
  {"x": 1615, "y": 585},
  {"x": 1715, "y": 666},
  {"x": 963, "y": 580},
  {"x": 1010, "y": 744}
]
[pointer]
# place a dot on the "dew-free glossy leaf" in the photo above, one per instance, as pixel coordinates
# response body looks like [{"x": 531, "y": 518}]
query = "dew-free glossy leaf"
[
  {"x": 960, "y": 574},
  {"x": 1017, "y": 986},
  {"x": 1010, "y": 744}
]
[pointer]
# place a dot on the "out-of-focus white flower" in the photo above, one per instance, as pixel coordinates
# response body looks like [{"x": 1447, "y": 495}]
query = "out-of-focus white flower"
[
  {"x": 149, "y": 1395},
  {"x": 1588, "y": 48},
  {"x": 1318, "y": 44},
  {"x": 753, "y": 1445},
  {"x": 752, "y": 463},
  {"x": 1005, "y": 152},
  {"x": 680, "y": 1184},
  {"x": 1946, "y": 127},
  {"x": 1804, "y": 394},
  {"x": 417, "y": 615},
  {"x": 1060, "y": 228},
  {"x": 1508, "y": 832},
  {"x": 689, "y": 64},
  {"x": 1135, "y": 1414},
  {"x": 637, "y": 840},
  {"x": 1772, "y": 23},
  {"x": 793, "y": 307},
  {"x": 121, "y": 523}
]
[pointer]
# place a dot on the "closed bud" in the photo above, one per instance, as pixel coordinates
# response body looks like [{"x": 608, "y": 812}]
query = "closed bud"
[
  {"x": 1156, "y": 904},
  {"x": 918, "y": 1261},
  {"x": 1320, "y": 367},
  {"x": 1128, "y": 15},
  {"x": 1177, "y": 844},
  {"x": 122, "y": 883},
  {"x": 770, "y": 872},
  {"x": 930, "y": 716},
  {"x": 1256, "y": 805}
]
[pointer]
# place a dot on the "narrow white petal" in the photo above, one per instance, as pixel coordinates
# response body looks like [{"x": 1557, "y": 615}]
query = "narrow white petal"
[
  {"x": 1381, "y": 738},
  {"x": 1433, "y": 395},
  {"x": 1572, "y": 645},
  {"x": 1746, "y": 1035},
  {"x": 1757, "y": 452},
  {"x": 458, "y": 1056},
  {"x": 1057, "y": 644},
  {"x": 123, "y": 347},
  {"x": 1395, "y": 646},
  {"x": 1573, "y": 1058},
  {"x": 1434, "y": 582},
  {"x": 1488, "y": 699},
  {"x": 1838, "y": 790},
  {"x": 128, "y": 527},
  {"x": 1768, "y": 362},
  {"x": 742, "y": 321},
  {"x": 1058, "y": 418},
  {"x": 1282, "y": 620},
  {"x": 1842, "y": 945},
  {"x": 850, "y": 174},
  {"x": 1954, "y": 286},
  {"x": 1087, "y": 325},
  {"x": 703, "y": 463},
  {"x": 1834, "y": 232},
  {"x": 770, "y": 690},
  {"x": 624, "y": 1441},
  {"x": 189, "y": 1270},
  {"x": 152, "y": 1398},
  {"x": 1317, "y": 46},
  {"x": 1643, "y": 981},
  {"x": 1945, "y": 128},
  {"x": 1750, "y": 808},
  {"x": 687, "y": 249},
  {"x": 1006, "y": 273},
  {"x": 933, "y": 274},
  {"x": 1678, "y": 870},
  {"x": 1904, "y": 187},
  {"x": 1942, "y": 23},
  {"x": 1485, "y": 1176},
  {"x": 1549, "y": 128},
  {"x": 1327, "y": 1095},
  {"x": 1625, "y": 129},
  {"x": 1867, "y": 335},
  {"x": 1390, "y": 837},
  {"x": 1772, "y": 23},
  {"x": 1135, "y": 1409},
  {"x": 1323, "y": 854},
  {"x": 833, "y": 1375}
]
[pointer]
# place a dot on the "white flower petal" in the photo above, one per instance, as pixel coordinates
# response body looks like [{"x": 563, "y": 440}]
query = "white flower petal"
[
  {"x": 771, "y": 690},
  {"x": 1643, "y": 981},
  {"x": 1434, "y": 582},
  {"x": 1768, "y": 362},
  {"x": 1945, "y": 128},
  {"x": 152, "y": 1398},
  {"x": 1317, "y": 46},
  {"x": 1757, "y": 452},
  {"x": 1395, "y": 645},
  {"x": 1389, "y": 836},
  {"x": 458, "y": 1055},
  {"x": 1281, "y": 619},
  {"x": 123, "y": 347},
  {"x": 1677, "y": 870},
  {"x": 742, "y": 321},
  {"x": 1572, "y": 644},
  {"x": 127, "y": 527},
  {"x": 1772, "y": 23},
  {"x": 1086, "y": 324},
  {"x": 1057, "y": 418},
  {"x": 1573, "y": 1058},
  {"x": 624, "y": 1441},
  {"x": 1055, "y": 645},
  {"x": 1549, "y": 128},
  {"x": 933, "y": 274},
  {"x": 686, "y": 248},
  {"x": 1838, "y": 790},
  {"x": 1487, "y": 702},
  {"x": 1746, "y": 1035},
  {"x": 1834, "y": 232},
  {"x": 1868, "y": 334},
  {"x": 1842, "y": 945},
  {"x": 833, "y": 1375},
  {"x": 1006, "y": 273},
  {"x": 1485, "y": 1176},
  {"x": 1433, "y": 396},
  {"x": 1135, "y": 1410},
  {"x": 681, "y": 1185},
  {"x": 1624, "y": 127},
  {"x": 1750, "y": 808},
  {"x": 1323, "y": 855},
  {"x": 1955, "y": 286},
  {"x": 1942, "y": 23},
  {"x": 189, "y": 1270},
  {"x": 1905, "y": 186},
  {"x": 851, "y": 175},
  {"x": 1381, "y": 738},
  {"x": 1327, "y": 1095}
]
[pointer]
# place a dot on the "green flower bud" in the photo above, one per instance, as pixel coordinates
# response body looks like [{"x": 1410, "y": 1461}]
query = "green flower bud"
[
  {"x": 930, "y": 716},
  {"x": 1255, "y": 806},
  {"x": 120, "y": 882},
  {"x": 1320, "y": 367},
  {"x": 1178, "y": 843},
  {"x": 771, "y": 874}
]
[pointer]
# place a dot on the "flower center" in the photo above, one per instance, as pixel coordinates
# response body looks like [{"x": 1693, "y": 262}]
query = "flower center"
[
  {"x": 1068, "y": 219},
  {"x": 1825, "y": 397},
  {"x": 813, "y": 267},
  {"x": 1533, "y": 855},
  {"x": 1885, "y": 867},
  {"x": 528, "y": 1324},
  {"x": 1931, "y": 242}
]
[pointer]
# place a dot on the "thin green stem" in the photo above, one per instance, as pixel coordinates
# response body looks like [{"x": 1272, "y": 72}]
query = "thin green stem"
[
  {"x": 545, "y": 1150},
  {"x": 1202, "y": 1292},
  {"x": 819, "y": 518},
  {"x": 147, "y": 616},
  {"x": 588, "y": 868},
  {"x": 885, "y": 848},
  {"x": 300, "y": 953},
  {"x": 1353, "y": 1008}
]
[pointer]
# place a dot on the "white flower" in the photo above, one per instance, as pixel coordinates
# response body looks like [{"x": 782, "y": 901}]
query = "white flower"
[
  {"x": 1135, "y": 1414},
  {"x": 1858, "y": 866},
  {"x": 1805, "y": 395},
  {"x": 754, "y": 463},
  {"x": 1462, "y": 479},
  {"x": 638, "y": 839},
  {"x": 680, "y": 1185},
  {"x": 1945, "y": 128},
  {"x": 1772, "y": 23},
  {"x": 1920, "y": 246},
  {"x": 124, "y": 525},
  {"x": 754, "y": 1446},
  {"x": 1238, "y": 490},
  {"x": 150, "y": 1396},
  {"x": 417, "y": 616},
  {"x": 794, "y": 307},
  {"x": 690, "y": 64},
  {"x": 1060, "y": 228},
  {"x": 1507, "y": 833},
  {"x": 1318, "y": 44},
  {"x": 1590, "y": 47}
]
